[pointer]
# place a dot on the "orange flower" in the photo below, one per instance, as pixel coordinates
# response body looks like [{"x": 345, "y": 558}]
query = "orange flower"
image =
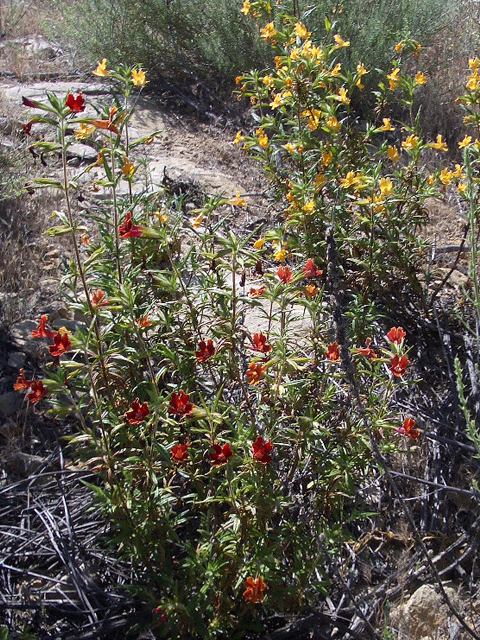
[
  {"x": 407, "y": 429},
  {"x": 310, "y": 269},
  {"x": 179, "y": 452},
  {"x": 143, "y": 322},
  {"x": 255, "y": 371},
  {"x": 36, "y": 391},
  {"x": 41, "y": 331},
  {"x": 21, "y": 383},
  {"x": 254, "y": 588},
  {"x": 205, "y": 350},
  {"x": 333, "y": 352},
  {"x": 260, "y": 343},
  {"x": 284, "y": 274},
  {"x": 311, "y": 291},
  {"x": 396, "y": 335},
  {"x": 61, "y": 344},
  {"x": 99, "y": 299},
  {"x": 398, "y": 365},
  {"x": 256, "y": 293},
  {"x": 367, "y": 351}
]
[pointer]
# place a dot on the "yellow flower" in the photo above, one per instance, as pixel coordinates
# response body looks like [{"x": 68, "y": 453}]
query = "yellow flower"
[
  {"x": 430, "y": 180},
  {"x": 268, "y": 32},
  {"x": 333, "y": 123},
  {"x": 393, "y": 154},
  {"x": 238, "y": 138},
  {"x": 262, "y": 138},
  {"x": 420, "y": 78},
  {"x": 446, "y": 176},
  {"x": 290, "y": 147},
  {"x": 394, "y": 79},
  {"x": 238, "y": 201},
  {"x": 439, "y": 144},
  {"x": 277, "y": 102},
  {"x": 465, "y": 142},
  {"x": 161, "y": 217},
  {"x": 473, "y": 63},
  {"x": 309, "y": 208},
  {"x": 258, "y": 244},
  {"x": 301, "y": 31},
  {"x": 410, "y": 143},
  {"x": 128, "y": 168},
  {"x": 102, "y": 70},
  {"x": 196, "y": 221},
  {"x": 336, "y": 70},
  {"x": 378, "y": 204},
  {"x": 349, "y": 181},
  {"x": 387, "y": 125},
  {"x": 84, "y": 131},
  {"x": 462, "y": 187},
  {"x": 327, "y": 157},
  {"x": 399, "y": 47},
  {"x": 340, "y": 42},
  {"x": 342, "y": 96},
  {"x": 246, "y": 8},
  {"x": 386, "y": 187},
  {"x": 268, "y": 81},
  {"x": 319, "y": 181},
  {"x": 138, "y": 78},
  {"x": 361, "y": 69},
  {"x": 472, "y": 83},
  {"x": 280, "y": 255},
  {"x": 458, "y": 173}
]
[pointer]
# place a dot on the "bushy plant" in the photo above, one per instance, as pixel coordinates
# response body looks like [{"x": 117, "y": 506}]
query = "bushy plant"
[{"x": 230, "y": 389}]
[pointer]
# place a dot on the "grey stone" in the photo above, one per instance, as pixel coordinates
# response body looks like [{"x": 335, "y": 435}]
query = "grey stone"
[
  {"x": 16, "y": 360},
  {"x": 10, "y": 403}
]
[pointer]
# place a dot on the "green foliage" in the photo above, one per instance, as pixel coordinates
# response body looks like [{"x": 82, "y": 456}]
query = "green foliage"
[{"x": 219, "y": 399}]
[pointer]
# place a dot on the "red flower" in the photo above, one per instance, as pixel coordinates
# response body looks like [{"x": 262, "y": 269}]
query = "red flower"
[
  {"x": 162, "y": 615},
  {"x": 205, "y": 350},
  {"x": 179, "y": 452},
  {"x": 260, "y": 343},
  {"x": 221, "y": 455},
  {"x": 27, "y": 128},
  {"x": 76, "y": 105},
  {"x": 396, "y": 335},
  {"x": 61, "y": 344},
  {"x": 254, "y": 588},
  {"x": 128, "y": 229},
  {"x": 255, "y": 371},
  {"x": 310, "y": 269},
  {"x": 30, "y": 103},
  {"x": 367, "y": 351},
  {"x": 398, "y": 366},
  {"x": 138, "y": 413},
  {"x": 284, "y": 274},
  {"x": 41, "y": 331},
  {"x": 21, "y": 383},
  {"x": 256, "y": 293},
  {"x": 407, "y": 429},
  {"x": 179, "y": 404},
  {"x": 333, "y": 352},
  {"x": 36, "y": 391},
  {"x": 99, "y": 299},
  {"x": 261, "y": 450}
]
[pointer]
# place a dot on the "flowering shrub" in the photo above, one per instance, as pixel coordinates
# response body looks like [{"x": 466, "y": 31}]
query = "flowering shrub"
[{"x": 227, "y": 461}]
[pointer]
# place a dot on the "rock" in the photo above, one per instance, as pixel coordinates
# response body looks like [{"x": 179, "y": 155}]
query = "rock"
[
  {"x": 10, "y": 403},
  {"x": 82, "y": 152},
  {"x": 22, "y": 338},
  {"x": 16, "y": 360},
  {"x": 425, "y": 616}
]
